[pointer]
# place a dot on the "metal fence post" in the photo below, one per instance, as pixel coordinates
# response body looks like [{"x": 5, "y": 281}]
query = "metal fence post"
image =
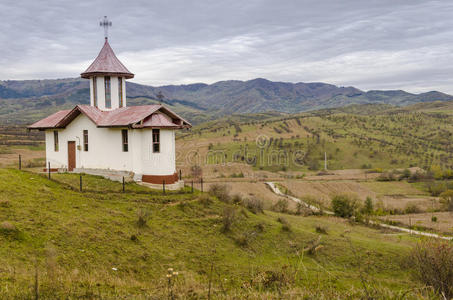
[
  {"x": 123, "y": 185},
  {"x": 48, "y": 168},
  {"x": 163, "y": 186},
  {"x": 81, "y": 182},
  {"x": 20, "y": 162},
  {"x": 192, "y": 186},
  {"x": 201, "y": 181}
]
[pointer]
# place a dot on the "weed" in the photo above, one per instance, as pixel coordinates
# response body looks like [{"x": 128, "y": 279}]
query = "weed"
[{"x": 143, "y": 216}]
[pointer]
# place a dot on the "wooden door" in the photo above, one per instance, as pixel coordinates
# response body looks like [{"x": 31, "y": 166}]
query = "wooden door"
[{"x": 71, "y": 155}]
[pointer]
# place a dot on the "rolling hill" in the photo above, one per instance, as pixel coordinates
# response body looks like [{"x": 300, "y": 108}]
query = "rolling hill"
[{"x": 26, "y": 101}]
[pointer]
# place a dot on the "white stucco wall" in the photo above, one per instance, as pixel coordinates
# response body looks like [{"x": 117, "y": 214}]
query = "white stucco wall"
[{"x": 105, "y": 149}]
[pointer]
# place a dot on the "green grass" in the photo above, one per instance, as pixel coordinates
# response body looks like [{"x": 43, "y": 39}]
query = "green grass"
[{"x": 74, "y": 239}]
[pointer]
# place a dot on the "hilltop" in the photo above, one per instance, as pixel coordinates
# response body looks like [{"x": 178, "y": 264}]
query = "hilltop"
[{"x": 29, "y": 100}]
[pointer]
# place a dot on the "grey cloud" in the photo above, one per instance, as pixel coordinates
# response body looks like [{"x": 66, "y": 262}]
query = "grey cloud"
[{"x": 368, "y": 44}]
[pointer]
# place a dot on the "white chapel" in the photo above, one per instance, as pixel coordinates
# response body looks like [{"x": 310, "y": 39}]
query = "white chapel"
[{"x": 108, "y": 135}]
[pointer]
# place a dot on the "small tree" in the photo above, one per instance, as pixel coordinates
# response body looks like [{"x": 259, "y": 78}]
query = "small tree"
[
  {"x": 447, "y": 199},
  {"x": 369, "y": 207},
  {"x": 343, "y": 206}
]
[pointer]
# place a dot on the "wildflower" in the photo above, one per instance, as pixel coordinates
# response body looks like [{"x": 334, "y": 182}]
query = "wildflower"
[
  {"x": 175, "y": 273},
  {"x": 170, "y": 270},
  {"x": 114, "y": 269},
  {"x": 169, "y": 275}
]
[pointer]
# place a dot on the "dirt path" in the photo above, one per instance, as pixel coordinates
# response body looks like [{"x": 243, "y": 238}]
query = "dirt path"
[{"x": 276, "y": 190}]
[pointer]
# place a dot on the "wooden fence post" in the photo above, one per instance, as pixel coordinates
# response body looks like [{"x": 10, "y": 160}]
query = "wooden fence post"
[
  {"x": 201, "y": 182},
  {"x": 123, "y": 185},
  {"x": 192, "y": 186},
  {"x": 20, "y": 162},
  {"x": 81, "y": 182},
  {"x": 48, "y": 168},
  {"x": 180, "y": 174},
  {"x": 163, "y": 186}
]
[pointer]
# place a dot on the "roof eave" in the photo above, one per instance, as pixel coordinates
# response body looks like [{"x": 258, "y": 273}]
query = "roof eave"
[{"x": 88, "y": 75}]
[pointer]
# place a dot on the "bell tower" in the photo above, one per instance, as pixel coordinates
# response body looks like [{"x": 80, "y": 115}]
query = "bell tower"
[{"x": 107, "y": 77}]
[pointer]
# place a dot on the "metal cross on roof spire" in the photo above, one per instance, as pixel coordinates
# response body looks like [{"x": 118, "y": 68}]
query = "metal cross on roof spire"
[{"x": 106, "y": 24}]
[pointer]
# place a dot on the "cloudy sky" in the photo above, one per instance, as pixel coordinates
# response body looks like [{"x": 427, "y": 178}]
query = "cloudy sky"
[{"x": 367, "y": 44}]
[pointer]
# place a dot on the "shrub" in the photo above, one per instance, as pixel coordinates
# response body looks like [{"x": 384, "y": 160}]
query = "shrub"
[
  {"x": 344, "y": 206},
  {"x": 437, "y": 188},
  {"x": 236, "y": 199},
  {"x": 228, "y": 218},
  {"x": 412, "y": 208},
  {"x": 388, "y": 176},
  {"x": 254, "y": 205},
  {"x": 434, "y": 219},
  {"x": 281, "y": 206},
  {"x": 285, "y": 224},
  {"x": 433, "y": 261},
  {"x": 244, "y": 238},
  {"x": 221, "y": 192},
  {"x": 205, "y": 200}
]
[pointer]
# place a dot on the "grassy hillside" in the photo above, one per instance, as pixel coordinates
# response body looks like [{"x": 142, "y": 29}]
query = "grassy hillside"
[{"x": 104, "y": 244}]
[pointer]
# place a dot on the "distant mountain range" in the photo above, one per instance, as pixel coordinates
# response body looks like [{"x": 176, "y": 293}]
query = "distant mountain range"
[{"x": 28, "y": 100}]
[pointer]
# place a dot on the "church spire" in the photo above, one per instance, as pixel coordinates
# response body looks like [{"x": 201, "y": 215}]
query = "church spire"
[{"x": 107, "y": 76}]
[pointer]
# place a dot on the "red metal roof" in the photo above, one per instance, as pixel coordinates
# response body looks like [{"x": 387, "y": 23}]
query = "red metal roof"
[
  {"x": 51, "y": 121},
  {"x": 145, "y": 116},
  {"x": 107, "y": 64}
]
